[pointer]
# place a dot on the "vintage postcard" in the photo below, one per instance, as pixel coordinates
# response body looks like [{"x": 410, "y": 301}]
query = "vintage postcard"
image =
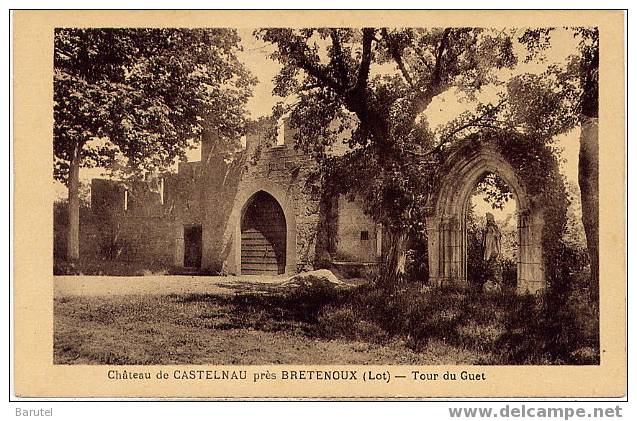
[{"x": 319, "y": 204}]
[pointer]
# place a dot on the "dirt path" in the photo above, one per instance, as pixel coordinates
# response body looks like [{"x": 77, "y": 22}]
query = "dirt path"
[{"x": 93, "y": 286}]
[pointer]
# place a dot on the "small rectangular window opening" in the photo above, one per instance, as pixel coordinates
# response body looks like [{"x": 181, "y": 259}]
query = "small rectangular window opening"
[{"x": 364, "y": 235}]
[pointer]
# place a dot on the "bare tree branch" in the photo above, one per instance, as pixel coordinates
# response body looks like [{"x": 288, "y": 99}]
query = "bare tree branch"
[
  {"x": 315, "y": 70},
  {"x": 338, "y": 57},
  {"x": 478, "y": 121},
  {"x": 394, "y": 50},
  {"x": 366, "y": 58},
  {"x": 437, "y": 73},
  {"x": 428, "y": 89},
  {"x": 475, "y": 122}
]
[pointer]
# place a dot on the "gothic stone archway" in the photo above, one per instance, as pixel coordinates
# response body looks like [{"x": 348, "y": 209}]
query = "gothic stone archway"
[
  {"x": 263, "y": 236},
  {"x": 447, "y": 231},
  {"x": 243, "y": 201}
]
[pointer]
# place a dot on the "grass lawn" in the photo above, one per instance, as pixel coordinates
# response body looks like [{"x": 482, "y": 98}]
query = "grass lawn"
[
  {"x": 316, "y": 326},
  {"x": 184, "y": 329}
]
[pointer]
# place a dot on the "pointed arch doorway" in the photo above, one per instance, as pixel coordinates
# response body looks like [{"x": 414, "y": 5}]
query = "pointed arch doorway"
[
  {"x": 447, "y": 229},
  {"x": 263, "y": 236}
]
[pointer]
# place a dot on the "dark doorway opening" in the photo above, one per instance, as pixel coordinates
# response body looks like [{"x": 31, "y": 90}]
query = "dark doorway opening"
[
  {"x": 492, "y": 196},
  {"x": 263, "y": 236},
  {"x": 192, "y": 246}
]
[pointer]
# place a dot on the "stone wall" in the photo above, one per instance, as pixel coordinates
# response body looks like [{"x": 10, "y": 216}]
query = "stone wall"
[
  {"x": 357, "y": 236},
  {"x": 212, "y": 193},
  {"x": 132, "y": 226},
  {"x": 291, "y": 177}
]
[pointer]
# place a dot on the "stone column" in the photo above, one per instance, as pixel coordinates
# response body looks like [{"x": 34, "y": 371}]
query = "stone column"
[
  {"x": 433, "y": 249},
  {"x": 530, "y": 259},
  {"x": 447, "y": 251},
  {"x": 522, "y": 250},
  {"x": 455, "y": 259}
]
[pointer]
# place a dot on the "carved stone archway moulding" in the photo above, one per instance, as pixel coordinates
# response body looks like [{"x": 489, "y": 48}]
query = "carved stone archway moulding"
[
  {"x": 282, "y": 197},
  {"x": 447, "y": 230}
]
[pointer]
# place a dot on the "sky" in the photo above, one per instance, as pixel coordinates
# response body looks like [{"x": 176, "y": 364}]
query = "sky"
[{"x": 255, "y": 56}]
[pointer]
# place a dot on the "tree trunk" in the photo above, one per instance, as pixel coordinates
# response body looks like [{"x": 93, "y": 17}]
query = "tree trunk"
[
  {"x": 588, "y": 178},
  {"x": 395, "y": 258},
  {"x": 73, "y": 226},
  {"x": 588, "y": 167}
]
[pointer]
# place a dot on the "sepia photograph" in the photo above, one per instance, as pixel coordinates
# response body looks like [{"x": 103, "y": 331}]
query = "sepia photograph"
[
  {"x": 326, "y": 195},
  {"x": 319, "y": 204}
]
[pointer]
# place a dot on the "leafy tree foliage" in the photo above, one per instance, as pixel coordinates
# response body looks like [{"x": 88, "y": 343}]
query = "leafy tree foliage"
[
  {"x": 377, "y": 84},
  {"x": 139, "y": 97},
  {"x": 495, "y": 190}
]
